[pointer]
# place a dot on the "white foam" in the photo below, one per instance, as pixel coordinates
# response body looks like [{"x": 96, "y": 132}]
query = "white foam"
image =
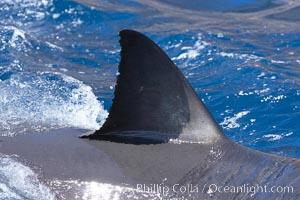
[
  {"x": 224, "y": 54},
  {"x": 18, "y": 38},
  {"x": 273, "y": 137},
  {"x": 54, "y": 46},
  {"x": 192, "y": 52},
  {"x": 220, "y": 35},
  {"x": 289, "y": 134},
  {"x": 45, "y": 100},
  {"x": 262, "y": 74},
  {"x": 28, "y": 3},
  {"x": 28, "y": 8},
  {"x": 77, "y": 22},
  {"x": 17, "y": 33},
  {"x": 278, "y": 62},
  {"x": 262, "y": 91},
  {"x": 18, "y": 181},
  {"x": 246, "y": 57},
  {"x": 242, "y": 93},
  {"x": 273, "y": 99},
  {"x": 21, "y": 11},
  {"x": 231, "y": 122},
  {"x": 56, "y": 15}
]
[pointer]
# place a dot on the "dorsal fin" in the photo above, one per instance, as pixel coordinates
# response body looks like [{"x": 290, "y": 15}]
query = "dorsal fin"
[{"x": 152, "y": 96}]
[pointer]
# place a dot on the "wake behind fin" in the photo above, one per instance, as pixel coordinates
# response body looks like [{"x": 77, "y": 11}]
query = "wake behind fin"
[{"x": 153, "y": 96}]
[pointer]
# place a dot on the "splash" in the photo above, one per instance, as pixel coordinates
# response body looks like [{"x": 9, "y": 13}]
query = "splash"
[
  {"x": 46, "y": 100},
  {"x": 17, "y": 181}
]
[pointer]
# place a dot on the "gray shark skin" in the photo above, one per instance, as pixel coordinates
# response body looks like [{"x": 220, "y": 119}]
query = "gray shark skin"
[
  {"x": 159, "y": 138},
  {"x": 154, "y": 103}
]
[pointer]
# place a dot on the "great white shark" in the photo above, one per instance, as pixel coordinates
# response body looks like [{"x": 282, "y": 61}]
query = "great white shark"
[
  {"x": 155, "y": 104},
  {"x": 159, "y": 138}
]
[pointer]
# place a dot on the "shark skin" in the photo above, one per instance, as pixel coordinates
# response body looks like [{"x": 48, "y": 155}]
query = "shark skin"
[{"x": 154, "y": 105}]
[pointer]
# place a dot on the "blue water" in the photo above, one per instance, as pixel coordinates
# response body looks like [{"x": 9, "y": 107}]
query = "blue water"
[{"x": 59, "y": 62}]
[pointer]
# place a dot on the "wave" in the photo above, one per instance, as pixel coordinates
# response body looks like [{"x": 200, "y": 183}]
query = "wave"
[
  {"x": 18, "y": 181},
  {"x": 46, "y": 100}
]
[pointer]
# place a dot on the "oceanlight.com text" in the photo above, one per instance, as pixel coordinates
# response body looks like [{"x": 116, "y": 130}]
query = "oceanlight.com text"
[
  {"x": 165, "y": 190},
  {"x": 247, "y": 188}
]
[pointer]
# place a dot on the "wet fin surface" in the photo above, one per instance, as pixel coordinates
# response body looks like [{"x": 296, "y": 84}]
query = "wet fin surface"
[{"x": 152, "y": 95}]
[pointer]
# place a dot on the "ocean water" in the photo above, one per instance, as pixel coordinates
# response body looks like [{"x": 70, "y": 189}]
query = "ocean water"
[{"x": 59, "y": 61}]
